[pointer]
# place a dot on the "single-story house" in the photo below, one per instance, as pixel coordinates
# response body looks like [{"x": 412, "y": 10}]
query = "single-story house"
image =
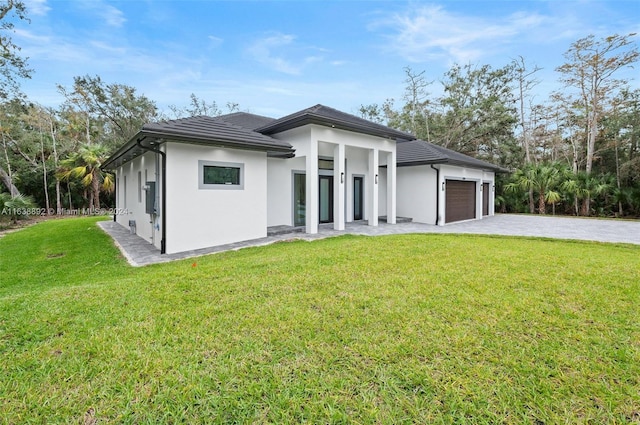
[{"x": 204, "y": 181}]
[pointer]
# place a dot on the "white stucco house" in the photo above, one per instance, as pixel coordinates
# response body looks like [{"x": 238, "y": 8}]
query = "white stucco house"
[{"x": 203, "y": 181}]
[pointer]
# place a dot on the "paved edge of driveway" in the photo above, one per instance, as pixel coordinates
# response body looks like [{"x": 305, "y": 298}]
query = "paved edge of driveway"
[{"x": 139, "y": 252}]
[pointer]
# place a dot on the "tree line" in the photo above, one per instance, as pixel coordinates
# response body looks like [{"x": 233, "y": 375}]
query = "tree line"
[{"x": 577, "y": 152}]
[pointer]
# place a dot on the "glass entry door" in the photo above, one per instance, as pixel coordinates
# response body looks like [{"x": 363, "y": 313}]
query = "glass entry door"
[
  {"x": 326, "y": 199},
  {"x": 299, "y": 199},
  {"x": 358, "y": 197}
]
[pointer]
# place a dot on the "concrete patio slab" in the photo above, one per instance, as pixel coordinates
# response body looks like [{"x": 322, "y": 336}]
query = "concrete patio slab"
[{"x": 139, "y": 252}]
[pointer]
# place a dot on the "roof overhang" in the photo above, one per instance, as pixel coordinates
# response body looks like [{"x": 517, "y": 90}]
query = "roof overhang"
[
  {"x": 489, "y": 167},
  {"x": 132, "y": 148},
  {"x": 310, "y": 118}
]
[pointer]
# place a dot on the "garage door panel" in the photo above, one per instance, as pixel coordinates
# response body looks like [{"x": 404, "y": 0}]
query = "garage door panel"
[{"x": 460, "y": 201}]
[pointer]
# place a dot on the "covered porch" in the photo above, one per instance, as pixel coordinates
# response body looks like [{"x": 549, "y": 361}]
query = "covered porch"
[{"x": 344, "y": 182}]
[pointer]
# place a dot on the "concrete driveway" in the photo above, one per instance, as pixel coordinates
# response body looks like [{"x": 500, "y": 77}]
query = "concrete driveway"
[
  {"x": 601, "y": 230},
  {"x": 139, "y": 252}
]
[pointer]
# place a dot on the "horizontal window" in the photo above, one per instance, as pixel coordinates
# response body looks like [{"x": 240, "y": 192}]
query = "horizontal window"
[{"x": 220, "y": 175}]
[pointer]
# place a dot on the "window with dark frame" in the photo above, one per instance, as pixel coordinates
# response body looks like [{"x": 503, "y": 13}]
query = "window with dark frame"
[
  {"x": 220, "y": 175},
  {"x": 214, "y": 174}
]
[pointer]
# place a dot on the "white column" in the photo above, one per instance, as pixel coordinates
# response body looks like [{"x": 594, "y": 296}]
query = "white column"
[
  {"x": 311, "y": 208},
  {"x": 391, "y": 187},
  {"x": 373, "y": 187},
  {"x": 339, "y": 184}
]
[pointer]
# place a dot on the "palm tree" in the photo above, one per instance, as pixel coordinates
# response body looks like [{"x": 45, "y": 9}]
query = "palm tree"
[
  {"x": 17, "y": 206},
  {"x": 85, "y": 164},
  {"x": 542, "y": 179}
]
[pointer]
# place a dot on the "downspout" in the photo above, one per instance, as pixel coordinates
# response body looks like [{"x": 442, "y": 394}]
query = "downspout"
[
  {"x": 437, "y": 192},
  {"x": 163, "y": 241}
]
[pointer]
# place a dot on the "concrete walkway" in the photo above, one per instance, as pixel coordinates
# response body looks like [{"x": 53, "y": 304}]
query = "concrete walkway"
[{"x": 140, "y": 253}]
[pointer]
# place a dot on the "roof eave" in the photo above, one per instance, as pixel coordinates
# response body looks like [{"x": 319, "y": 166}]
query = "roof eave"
[
  {"x": 272, "y": 150},
  {"x": 309, "y": 118}
]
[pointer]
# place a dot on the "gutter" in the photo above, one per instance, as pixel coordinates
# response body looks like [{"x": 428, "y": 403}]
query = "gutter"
[
  {"x": 163, "y": 241},
  {"x": 437, "y": 192}
]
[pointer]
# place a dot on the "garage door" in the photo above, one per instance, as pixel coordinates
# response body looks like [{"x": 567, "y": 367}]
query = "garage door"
[{"x": 460, "y": 200}]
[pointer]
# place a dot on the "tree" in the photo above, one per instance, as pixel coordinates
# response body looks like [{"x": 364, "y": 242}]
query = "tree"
[
  {"x": 85, "y": 164},
  {"x": 477, "y": 114},
  {"x": 524, "y": 85},
  {"x": 590, "y": 67},
  {"x": 12, "y": 66},
  {"x": 114, "y": 112},
  {"x": 416, "y": 98},
  {"x": 542, "y": 179},
  {"x": 16, "y": 206},
  {"x": 198, "y": 106}
]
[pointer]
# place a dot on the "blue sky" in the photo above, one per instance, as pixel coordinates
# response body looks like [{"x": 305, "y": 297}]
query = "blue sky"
[{"x": 274, "y": 58}]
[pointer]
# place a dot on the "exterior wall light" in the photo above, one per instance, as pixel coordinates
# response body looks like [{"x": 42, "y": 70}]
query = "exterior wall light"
[
  {"x": 341, "y": 177},
  {"x": 443, "y": 186},
  {"x": 376, "y": 179}
]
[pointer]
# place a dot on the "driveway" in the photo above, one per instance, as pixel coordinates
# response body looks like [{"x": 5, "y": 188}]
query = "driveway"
[
  {"x": 139, "y": 252},
  {"x": 589, "y": 229}
]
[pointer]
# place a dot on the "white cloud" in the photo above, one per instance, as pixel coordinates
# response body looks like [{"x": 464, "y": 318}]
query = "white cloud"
[
  {"x": 281, "y": 53},
  {"x": 263, "y": 51},
  {"x": 37, "y": 7},
  {"x": 431, "y": 32},
  {"x": 214, "y": 41},
  {"x": 111, "y": 15}
]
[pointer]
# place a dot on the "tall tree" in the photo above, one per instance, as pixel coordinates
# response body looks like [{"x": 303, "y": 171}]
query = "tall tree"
[
  {"x": 116, "y": 110},
  {"x": 590, "y": 68},
  {"x": 477, "y": 115},
  {"x": 416, "y": 98},
  {"x": 525, "y": 82},
  {"x": 13, "y": 67}
]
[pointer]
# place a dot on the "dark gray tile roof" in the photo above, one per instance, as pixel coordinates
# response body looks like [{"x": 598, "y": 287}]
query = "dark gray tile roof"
[
  {"x": 202, "y": 130},
  {"x": 323, "y": 115},
  {"x": 242, "y": 130},
  {"x": 211, "y": 130},
  {"x": 246, "y": 120},
  {"x": 419, "y": 152}
]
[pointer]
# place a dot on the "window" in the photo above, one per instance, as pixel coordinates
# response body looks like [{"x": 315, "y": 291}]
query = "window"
[
  {"x": 140, "y": 186},
  {"x": 220, "y": 175},
  {"x": 124, "y": 204},
  {"x": 325, "y": 163}
]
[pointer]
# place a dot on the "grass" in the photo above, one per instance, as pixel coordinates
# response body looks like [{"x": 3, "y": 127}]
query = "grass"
[{"x": 396, "y": 329}]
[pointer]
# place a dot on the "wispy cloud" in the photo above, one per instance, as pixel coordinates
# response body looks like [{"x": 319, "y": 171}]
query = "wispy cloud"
[
  {"x": 431, "y": 32},
  {"x": 265, "y": 51},
  {"x": 111, "y": 15},
  {"x": 281, "y": 53},
  {"x": 37, "y": 7},
  {"x": 214, "y": 41}
]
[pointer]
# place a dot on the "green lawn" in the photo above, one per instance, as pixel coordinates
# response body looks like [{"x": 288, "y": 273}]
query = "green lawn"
[{"x": 396, "y": 329}]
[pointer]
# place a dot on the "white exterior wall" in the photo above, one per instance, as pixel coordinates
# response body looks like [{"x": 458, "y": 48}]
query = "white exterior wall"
[
  {"x": 133, "y": 207},
  {"x": 280, "y": 189},
  {"x": 417, "y": 193},
  {"x": 490, "y": 177},
  {"x": 199, "y": 218}
]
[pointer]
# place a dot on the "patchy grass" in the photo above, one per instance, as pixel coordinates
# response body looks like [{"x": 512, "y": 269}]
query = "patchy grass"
[{"x": 396, "y": 329}]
